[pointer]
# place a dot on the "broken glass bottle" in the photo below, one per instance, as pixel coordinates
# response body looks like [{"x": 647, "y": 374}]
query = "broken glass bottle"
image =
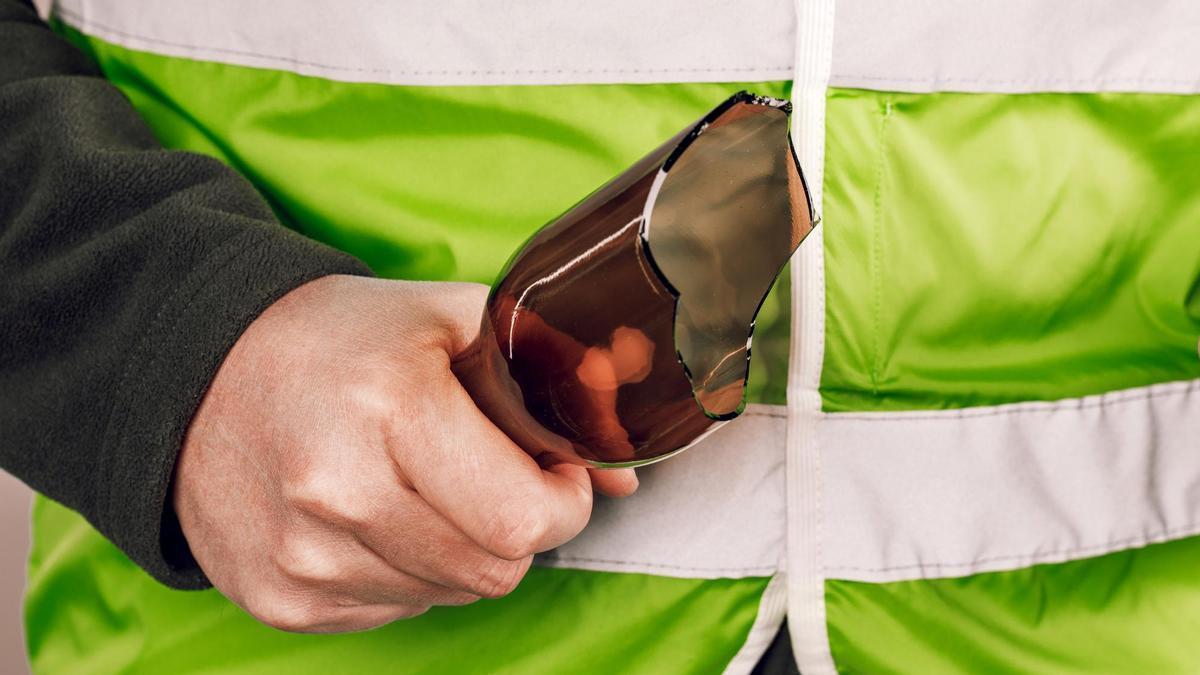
[{"x": 620, "y": 332}]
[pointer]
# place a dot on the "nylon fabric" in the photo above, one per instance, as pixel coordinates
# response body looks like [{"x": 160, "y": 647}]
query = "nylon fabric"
[
  {"x": 986, "y": 249},
  {"x": 983, "y": 250},
  {"x": 424, "y": 182},
  {"x": 427, "y": 184},
  {"x": 979, "y": 250},
  {"x": 1125, "y": 613},
  {"x": 91, "y": 610},
  {"x": 772, "y": 612}
]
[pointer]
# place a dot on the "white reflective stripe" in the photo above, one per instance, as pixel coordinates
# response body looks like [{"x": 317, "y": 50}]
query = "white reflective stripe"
[
  {"x": 912, "y": 495},
  {"x": 806, "y": 585},
  {"x": 954, "y": 493},
  {"x": 1019, "y": 46},
  {"x": 772, "y": 609},
  {"x": 714, "y": 511},
  {"x": 459, "y": 42},
  {"x": 931, "y": 45}
]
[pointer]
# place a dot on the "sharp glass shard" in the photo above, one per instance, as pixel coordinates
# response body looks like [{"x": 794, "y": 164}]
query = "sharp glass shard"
[{"x": 620, "y": 332}]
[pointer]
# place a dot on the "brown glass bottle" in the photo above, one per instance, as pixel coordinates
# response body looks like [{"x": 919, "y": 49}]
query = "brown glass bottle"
[{"x": 620, "y": 333}]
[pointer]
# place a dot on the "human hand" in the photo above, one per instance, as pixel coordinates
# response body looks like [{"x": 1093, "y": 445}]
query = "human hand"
[{"x": 337, "y": 476}]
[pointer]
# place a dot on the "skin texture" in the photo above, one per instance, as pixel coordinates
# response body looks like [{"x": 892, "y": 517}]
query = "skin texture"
[{"x": 337, "y": 477}]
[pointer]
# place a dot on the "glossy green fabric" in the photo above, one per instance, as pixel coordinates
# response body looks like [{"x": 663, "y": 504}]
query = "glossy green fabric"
[
  {"x": 90, "y": 610},
  {"x": 979, "y": 249},
  {"x": 1133, "y": 612},
  {"x": 440, "y": 183},
  {"x": 421, "y": 183},
  {"x": 983, "y": 249}
]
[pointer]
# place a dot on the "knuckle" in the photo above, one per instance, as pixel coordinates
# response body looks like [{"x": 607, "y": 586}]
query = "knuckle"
[
  {"x": 300, "y": 562},
  {"x": 288, "y": 614},
  {"x": 372, "y": 396},
  {"x": 497, "y": 579},
  {"x": 308, "y": 489},
  {"x": 323, "y": 496},
  {"x": 515, "y": 532}
]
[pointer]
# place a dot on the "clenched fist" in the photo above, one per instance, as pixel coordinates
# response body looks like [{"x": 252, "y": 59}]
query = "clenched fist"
[{"x": 337, "y": 476}]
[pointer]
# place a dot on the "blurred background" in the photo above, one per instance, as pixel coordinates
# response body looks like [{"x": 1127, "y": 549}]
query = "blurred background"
[{"x": 15, "y": 500}]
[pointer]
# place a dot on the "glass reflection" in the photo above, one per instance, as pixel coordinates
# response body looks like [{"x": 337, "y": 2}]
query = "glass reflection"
[{"x": 620, "y": 333}]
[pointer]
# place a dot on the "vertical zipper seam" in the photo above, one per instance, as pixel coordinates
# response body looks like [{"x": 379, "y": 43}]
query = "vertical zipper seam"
[{"x": 806, "y": 602}]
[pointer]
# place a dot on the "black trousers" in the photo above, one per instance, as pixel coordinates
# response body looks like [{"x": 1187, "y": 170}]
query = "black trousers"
[{"x": 778, "y": 658}]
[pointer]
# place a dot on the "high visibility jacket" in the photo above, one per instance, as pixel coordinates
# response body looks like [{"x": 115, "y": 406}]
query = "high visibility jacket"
[{"x": 974, "y": 442}]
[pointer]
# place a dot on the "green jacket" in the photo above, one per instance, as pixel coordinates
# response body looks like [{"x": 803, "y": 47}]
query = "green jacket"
[{"x": 973, "y": 443}]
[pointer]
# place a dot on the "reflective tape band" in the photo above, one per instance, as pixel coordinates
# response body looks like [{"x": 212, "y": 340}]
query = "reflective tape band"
[
  {"x": 714, "y": 511},
  {"x": 954, "y": 493},
  {"x": 915, "y": 495},
  {"x": 1018, "y": 46},
  {"x": 462, "y": 42},
  {"x": 1010, "y": 46}
]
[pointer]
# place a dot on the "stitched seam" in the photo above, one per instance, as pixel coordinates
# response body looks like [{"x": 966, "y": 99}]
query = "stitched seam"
[
  {"x": 1113, "y": 546},
  {"x": 876, "y": 246},
  {"x": 1105, "y": 401},
  {"x": 684, "y": 568},
  {"x": 818, "y": 463},
  {"x": 84, "y": 23},
  {"x": 780, "y": 416},
  {"x": 1034, "y": 80}
]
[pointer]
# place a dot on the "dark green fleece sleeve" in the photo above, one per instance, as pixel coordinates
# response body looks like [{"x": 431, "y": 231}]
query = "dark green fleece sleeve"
[{"x": 126, "y": 274}]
